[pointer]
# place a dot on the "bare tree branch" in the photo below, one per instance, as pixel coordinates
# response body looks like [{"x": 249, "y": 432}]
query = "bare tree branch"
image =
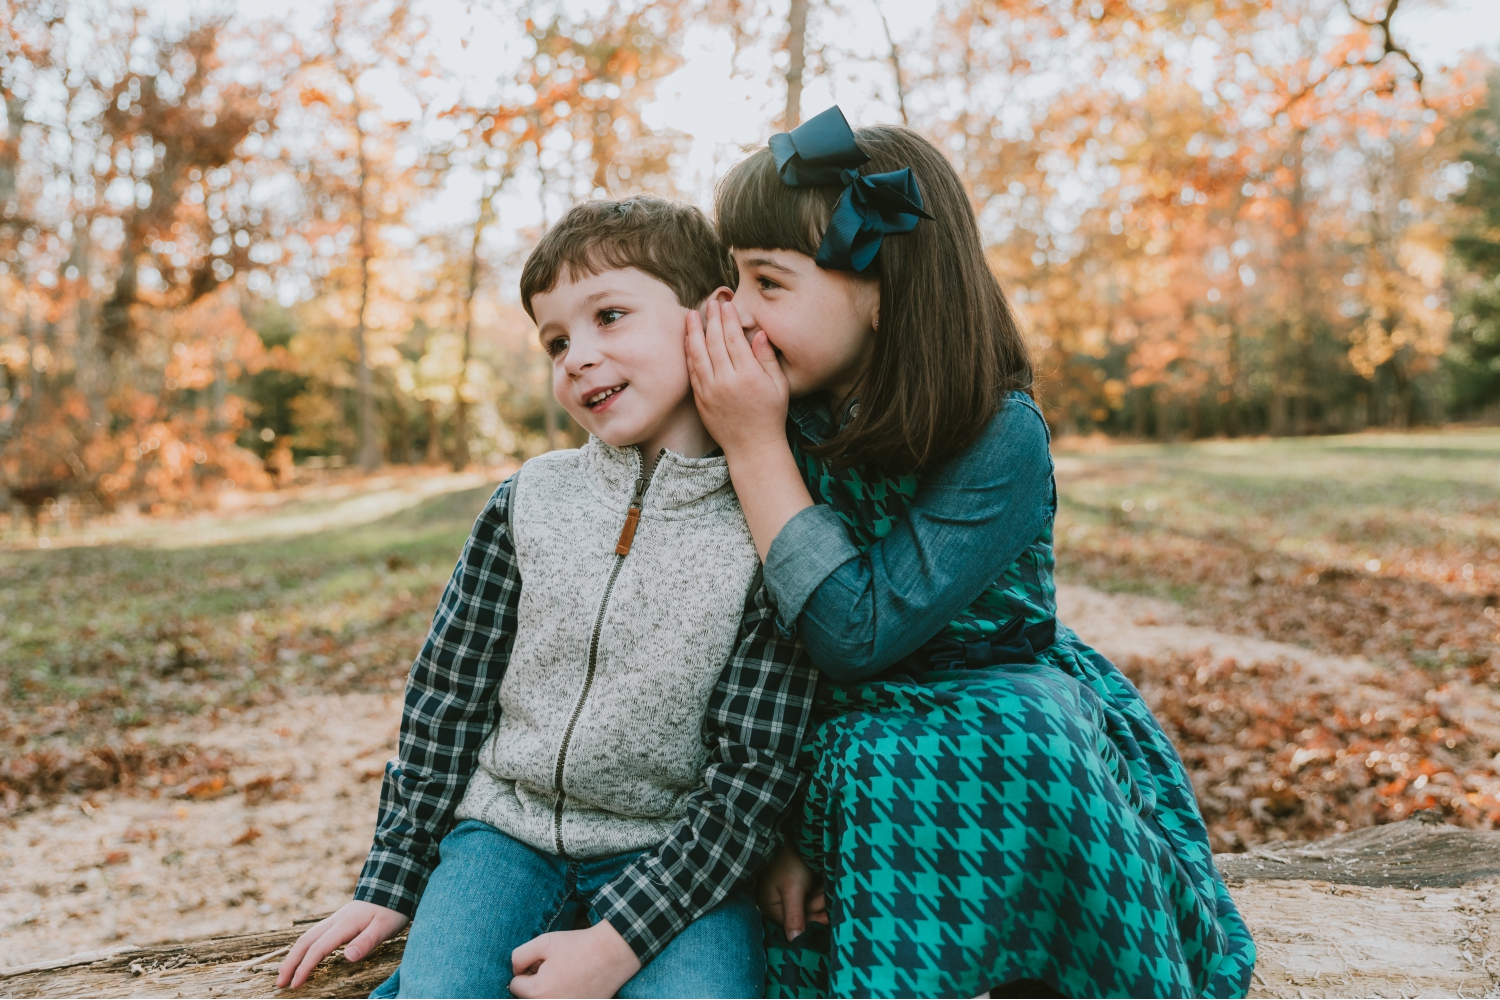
[
  {"x": 895, "y": 58},
  {"x": 1388, "y": 48}
]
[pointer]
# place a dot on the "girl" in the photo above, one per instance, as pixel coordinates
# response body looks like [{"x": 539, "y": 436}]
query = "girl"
[{"x": 992, "y": 806}]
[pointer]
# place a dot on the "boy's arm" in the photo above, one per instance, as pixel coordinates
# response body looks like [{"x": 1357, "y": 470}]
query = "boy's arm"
[
  {"x": 451, "y": 707},
  {"x": 756, "y": 723}
]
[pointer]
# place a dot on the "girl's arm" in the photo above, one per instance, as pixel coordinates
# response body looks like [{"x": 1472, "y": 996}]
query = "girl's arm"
[{"x": 858, "y": 613}]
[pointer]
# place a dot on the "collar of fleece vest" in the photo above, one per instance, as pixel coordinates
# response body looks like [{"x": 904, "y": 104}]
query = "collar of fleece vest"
[{"x": 681, "y": 487}]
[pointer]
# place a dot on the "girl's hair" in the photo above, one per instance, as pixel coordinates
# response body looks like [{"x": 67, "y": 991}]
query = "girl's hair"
[{"x": 947, "y": 350}]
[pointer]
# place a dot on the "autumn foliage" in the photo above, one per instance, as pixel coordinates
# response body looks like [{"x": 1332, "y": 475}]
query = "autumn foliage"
[{"x": 218, "y": 259}]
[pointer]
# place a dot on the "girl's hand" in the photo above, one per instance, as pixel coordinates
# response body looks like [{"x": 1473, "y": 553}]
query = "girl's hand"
[
  {"x": 783, "y": 896},
  {"x": 740, "y": 389},
  {"x": 362, "y": 925}
]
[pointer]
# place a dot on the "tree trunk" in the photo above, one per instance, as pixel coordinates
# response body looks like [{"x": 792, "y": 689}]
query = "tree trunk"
[
  {"x": 10, "y": 154},
  {"x": 460, "y": 404},
  {"x": 1232, "y": 383},
  {"x": 1406, "y": 908},
  {"x": 369, "y": 443},
  {"x": 796, "y": 44},
  {"x": 434, "y": 454},
  {"x": 895, "y": 58},
  {"x": 1280, "y": 379},
  {"x": 1401, "y": 394},
  {"x": 1292, "y": 371}
]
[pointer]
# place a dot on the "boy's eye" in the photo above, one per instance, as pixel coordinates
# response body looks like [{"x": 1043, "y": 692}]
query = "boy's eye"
[
  {"x": 608, "y": 316},
  {"x": 556, "y": 346}
]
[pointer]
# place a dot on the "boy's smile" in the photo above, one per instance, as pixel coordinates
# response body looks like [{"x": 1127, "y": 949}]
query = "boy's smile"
[
  {"x": 618, "y": 368},
  {"x": 599, "y": 400}
]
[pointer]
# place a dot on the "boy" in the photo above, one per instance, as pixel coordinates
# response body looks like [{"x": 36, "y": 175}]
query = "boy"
[{"x": 603, "y": 704}]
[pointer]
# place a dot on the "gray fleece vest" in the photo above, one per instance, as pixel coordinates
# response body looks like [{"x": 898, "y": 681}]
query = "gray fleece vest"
[{"x": 601, "y": 710}]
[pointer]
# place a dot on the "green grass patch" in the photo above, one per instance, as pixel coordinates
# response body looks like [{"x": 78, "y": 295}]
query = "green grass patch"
[
  {"x": 1381, "y": 544},
  {"x": 103, "y": 637}
]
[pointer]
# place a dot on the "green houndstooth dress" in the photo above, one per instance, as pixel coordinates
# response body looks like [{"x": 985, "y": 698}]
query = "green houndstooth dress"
[{"x": 1025, "y": 821}]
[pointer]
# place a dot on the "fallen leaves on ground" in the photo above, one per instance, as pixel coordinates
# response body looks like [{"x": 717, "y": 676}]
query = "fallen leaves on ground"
[
  {"x": 269, "y": 788},
  {"x": 1381, "y": 546},
  {"x": 30, "y": 779},
  {"x": 1336, "y": 609},
  {"x": 1277, "y": 755}
]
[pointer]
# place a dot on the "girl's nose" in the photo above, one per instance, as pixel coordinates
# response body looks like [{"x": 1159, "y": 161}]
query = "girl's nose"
[{"x": 741, "y": 306}]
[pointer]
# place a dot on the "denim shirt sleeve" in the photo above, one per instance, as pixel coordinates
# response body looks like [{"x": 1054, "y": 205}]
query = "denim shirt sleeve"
[{"x": 858, "y": 613}]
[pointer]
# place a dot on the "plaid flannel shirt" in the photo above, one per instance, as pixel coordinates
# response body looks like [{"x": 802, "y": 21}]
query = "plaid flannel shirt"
[{"x": 757, "y": 718}]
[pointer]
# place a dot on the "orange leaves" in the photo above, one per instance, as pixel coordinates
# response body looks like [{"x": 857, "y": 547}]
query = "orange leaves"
[
  {"x": 1277, "y": 754},
  {"x": 208, "y": 788},
  {"x": 309, "y": 95}
]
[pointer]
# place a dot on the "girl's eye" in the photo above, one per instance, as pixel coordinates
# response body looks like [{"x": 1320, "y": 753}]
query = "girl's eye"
[
  {"x": 556, "y": 346},
  {"x": 608, "y": 316},
  {"x": 766, "y": 284}
]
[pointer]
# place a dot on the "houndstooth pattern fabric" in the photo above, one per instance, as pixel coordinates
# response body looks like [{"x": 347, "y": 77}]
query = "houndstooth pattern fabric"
[{"x": 978, "y": 827}]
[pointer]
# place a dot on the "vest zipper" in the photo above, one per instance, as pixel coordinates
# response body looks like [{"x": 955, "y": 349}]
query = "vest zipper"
[{"x": 622, "y": 549}]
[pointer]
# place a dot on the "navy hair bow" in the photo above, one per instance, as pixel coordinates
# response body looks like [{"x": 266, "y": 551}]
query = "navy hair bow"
[{"x": 821, "y": 152}]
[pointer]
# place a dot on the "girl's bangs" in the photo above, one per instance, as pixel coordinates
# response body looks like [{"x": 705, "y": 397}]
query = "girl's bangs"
[{"x": 755, "y": 209}]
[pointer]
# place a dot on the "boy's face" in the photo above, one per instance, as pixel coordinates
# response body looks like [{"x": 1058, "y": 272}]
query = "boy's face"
[{"x": 618, "y": 364}]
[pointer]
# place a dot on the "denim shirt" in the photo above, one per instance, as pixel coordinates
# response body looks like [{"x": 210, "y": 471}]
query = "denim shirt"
[{"x": 857, "y": 612}]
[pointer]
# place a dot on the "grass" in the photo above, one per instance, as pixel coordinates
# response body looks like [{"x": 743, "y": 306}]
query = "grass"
[
  {"x": 103, "y": 638},
  {"x": 1384, "y": 545},
  {"x": 1379, "y": 544}
]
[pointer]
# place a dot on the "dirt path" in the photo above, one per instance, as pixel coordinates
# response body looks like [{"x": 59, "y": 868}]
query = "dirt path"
[
  {"x": 1124, "y": 625},
  {"x": 114, "y": 868},
  {"x": 289, "y": 839}
]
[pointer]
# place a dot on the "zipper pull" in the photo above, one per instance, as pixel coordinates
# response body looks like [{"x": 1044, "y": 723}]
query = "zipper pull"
[{"x": 632, "y": 518}]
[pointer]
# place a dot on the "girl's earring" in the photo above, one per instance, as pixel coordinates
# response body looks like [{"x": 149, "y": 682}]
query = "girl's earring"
[{"x": 875, "y": 324}]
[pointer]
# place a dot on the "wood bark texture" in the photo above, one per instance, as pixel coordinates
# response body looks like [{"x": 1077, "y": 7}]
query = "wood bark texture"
[{"x": 1409, "y": 909}]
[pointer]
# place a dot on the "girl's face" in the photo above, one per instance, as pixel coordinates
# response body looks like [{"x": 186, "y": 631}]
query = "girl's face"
[{"x": 820, "y": 322}]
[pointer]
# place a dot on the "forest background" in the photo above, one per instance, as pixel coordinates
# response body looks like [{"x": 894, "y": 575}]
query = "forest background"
[{"x": 231, "y": 246}]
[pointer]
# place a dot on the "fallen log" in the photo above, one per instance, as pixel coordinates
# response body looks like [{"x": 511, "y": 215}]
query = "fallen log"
[{"x": 1398, "y": 910}]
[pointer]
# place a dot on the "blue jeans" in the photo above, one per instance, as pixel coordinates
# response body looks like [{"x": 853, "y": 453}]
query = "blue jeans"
[{"x": 490, "y": 894}]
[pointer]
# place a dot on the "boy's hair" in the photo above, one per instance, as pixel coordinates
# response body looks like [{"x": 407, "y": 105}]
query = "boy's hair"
[
  {"x": 948, "y": 348},
  {"x": 673, "y": 243}
]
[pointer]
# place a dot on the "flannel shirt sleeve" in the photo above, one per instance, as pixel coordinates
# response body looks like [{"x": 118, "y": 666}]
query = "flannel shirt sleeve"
[
  {"x": 756, "y": 722},
  {"x": 451, "y": 706}
]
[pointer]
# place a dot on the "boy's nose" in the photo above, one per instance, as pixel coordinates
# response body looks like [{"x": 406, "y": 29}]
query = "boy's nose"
[{"x": 581, "y": 357}]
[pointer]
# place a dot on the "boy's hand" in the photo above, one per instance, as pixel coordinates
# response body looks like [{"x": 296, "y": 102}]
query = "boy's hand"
[
  {"x": 738, "y": 385},
  {"x": 589, "y": 963},
  {"x": 783, "y": 896},
  {"x": 363, "y": 925}
]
